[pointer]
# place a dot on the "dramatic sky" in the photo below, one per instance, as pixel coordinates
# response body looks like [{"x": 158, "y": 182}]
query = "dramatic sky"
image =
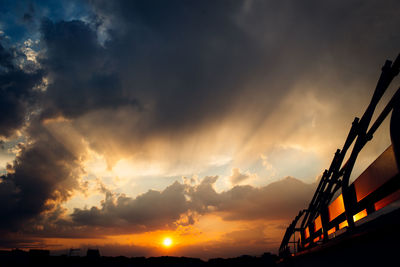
[{"x": 209, "y": 122}]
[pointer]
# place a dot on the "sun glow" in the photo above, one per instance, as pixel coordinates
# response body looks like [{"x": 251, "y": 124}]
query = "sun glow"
[{"x": 167, "y": 242}]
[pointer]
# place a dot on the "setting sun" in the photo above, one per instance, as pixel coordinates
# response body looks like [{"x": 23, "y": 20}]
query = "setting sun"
[{"x": 167, "y": 242}]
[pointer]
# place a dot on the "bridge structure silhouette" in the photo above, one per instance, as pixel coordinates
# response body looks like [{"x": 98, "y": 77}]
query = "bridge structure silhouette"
[{"x": 346, "y": 220}]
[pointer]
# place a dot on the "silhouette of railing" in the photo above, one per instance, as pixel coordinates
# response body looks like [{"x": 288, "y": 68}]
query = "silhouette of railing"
[{"x": 374, "y": 189}]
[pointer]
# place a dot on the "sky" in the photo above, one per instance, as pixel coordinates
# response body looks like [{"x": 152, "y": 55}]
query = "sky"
[{"x": 123, "y": 123}]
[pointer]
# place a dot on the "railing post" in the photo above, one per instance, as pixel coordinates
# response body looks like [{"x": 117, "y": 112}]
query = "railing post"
[
  {"x": 350, "y": 200},
  {"x": 325, "y": 223}
]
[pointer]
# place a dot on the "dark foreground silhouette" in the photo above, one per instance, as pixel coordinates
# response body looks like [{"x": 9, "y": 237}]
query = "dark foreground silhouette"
[{"x": 42, "y": 258}]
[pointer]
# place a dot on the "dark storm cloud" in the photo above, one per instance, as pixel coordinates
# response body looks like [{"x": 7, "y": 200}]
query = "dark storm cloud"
[
  {"x": 44, "y": 171},
  {"x": 190, "y": 58},
  {"x": 192, "y": 64},
  {"x": 6, "y": 59},
  {"x": 29, "y": 15},
  {"x": 187, "y": 59},
  {"x": 82, "y": 74},
  {"x": 17, "y": 96}
]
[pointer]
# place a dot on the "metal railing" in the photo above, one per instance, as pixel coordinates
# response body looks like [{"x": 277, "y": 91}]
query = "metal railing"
[{"x": 375, "y": 188}]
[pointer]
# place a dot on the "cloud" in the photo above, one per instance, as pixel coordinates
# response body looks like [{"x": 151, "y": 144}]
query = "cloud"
[
  {"x": 276, "y": 201},
  {"x": 238, "y": 177},
  {"x": 158, "y": 80},
  {"x": 17, "y": 96},
  {"x": 81, "y": 71},
  {"x": 176, "y": 205},
  {"x": 185, "y": 76},
  {"x": 149, "y": 211},
  {"x": 44, "y": 172}
]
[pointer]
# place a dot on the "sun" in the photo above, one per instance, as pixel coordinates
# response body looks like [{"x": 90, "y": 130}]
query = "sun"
[{"x": 167, "y": 242}]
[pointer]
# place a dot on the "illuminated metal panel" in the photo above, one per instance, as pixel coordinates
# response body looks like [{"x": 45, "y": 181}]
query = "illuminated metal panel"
[
  {"x": 318, "y": 223},
  {"x": 387, "y": 200},
  {"x": 360, "y": 215},
  {"x": 336, "y": 207},
  {"x": 331, "y": 231},
  {"x": 307, "y": 233},
  {"x": 378, "y": 173},
  {"x": 343, "y": 224},
  {"x": 316, "y": 239}
]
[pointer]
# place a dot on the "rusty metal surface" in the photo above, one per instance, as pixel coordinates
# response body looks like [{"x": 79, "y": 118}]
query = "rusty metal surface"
[{"x": 378, "y": 173}]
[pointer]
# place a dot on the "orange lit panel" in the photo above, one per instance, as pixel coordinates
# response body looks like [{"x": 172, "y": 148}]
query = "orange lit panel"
[
  {"x": 378, "y": 173},
  {"x": 316, "y": 239},
  {"x": 318, "y": 223},
  {"x": 336, "y": 207},
  {"x": 306, "y": 245},
  {"x": 343, "y": 224},
  {"x": 331, "y": 231},
  {"x": 387, "y": 200},
  {"x": 360, "y": 215},
  {"x": 307, "y": 233}
]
